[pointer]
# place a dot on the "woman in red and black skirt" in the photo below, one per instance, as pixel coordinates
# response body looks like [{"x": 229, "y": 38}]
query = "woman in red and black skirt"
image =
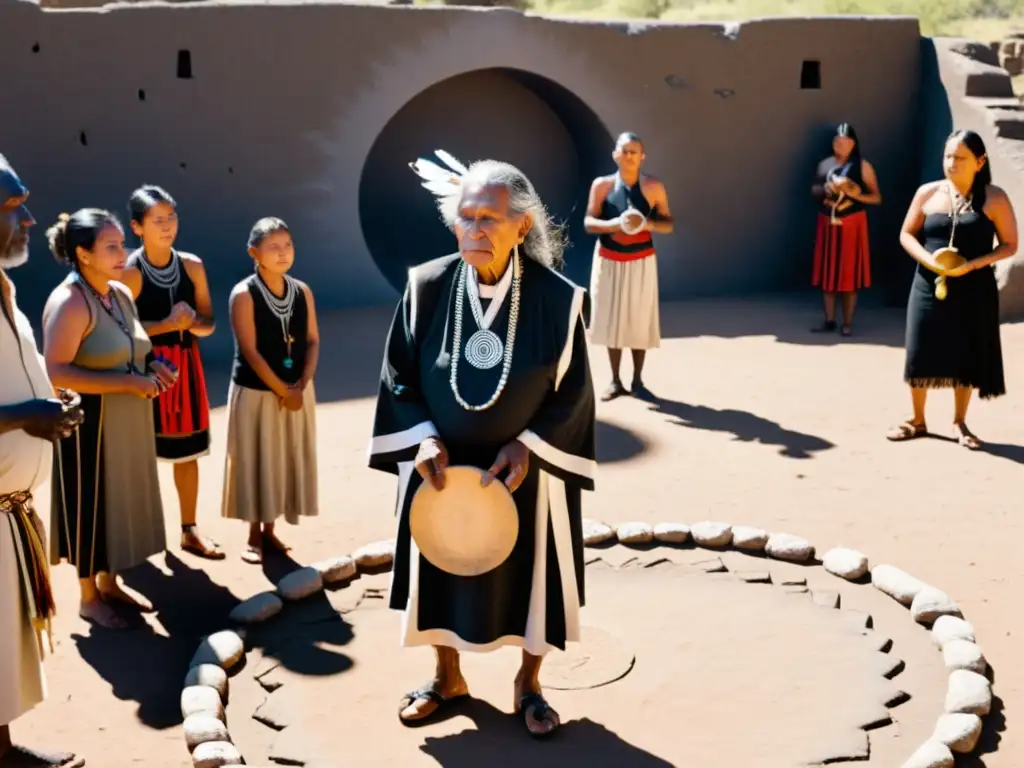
[
  {"x": 845, "y": 184},
  {"x": 173, "y": 300}
]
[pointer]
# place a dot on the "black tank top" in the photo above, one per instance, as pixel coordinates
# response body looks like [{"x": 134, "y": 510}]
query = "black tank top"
[
  {"x": 851, "y": 169},
  {"x": 619, "y": 245},
  {"x": 155, "y": 302},
  {"x": 270, "y": 339}
]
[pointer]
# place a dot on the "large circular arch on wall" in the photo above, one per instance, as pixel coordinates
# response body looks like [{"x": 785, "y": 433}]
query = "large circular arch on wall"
[{"x": 506, "y": 114}]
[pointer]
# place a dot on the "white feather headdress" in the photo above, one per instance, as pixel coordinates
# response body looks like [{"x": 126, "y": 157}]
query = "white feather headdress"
[{"x": 443, "y": 182}]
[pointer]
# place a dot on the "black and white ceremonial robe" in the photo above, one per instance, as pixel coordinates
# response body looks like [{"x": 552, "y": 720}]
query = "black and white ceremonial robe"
[{"x": 533, "y": 599}]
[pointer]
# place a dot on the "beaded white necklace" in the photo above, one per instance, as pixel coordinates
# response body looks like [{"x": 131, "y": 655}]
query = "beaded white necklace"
[
  {"x": 484, "y": 349},
  {"x": 282, "y": 309},
  {"x": 167, "y": 276}
]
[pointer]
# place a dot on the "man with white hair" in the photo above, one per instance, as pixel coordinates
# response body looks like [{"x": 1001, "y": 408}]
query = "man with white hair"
[{"x": 31, "y": 419}]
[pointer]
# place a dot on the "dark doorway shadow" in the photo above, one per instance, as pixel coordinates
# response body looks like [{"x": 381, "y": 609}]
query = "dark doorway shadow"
[
  {"x": 744, "y": 426},
  {"x": 500, "y": 740},
  {"x": 615, "y": 443}
]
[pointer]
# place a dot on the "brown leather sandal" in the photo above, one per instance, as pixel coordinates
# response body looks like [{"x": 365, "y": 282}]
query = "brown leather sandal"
[{"x": 908, "y": 430}]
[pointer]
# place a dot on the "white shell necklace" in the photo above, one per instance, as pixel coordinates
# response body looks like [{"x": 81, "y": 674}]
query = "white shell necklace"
[
  {"x": 281, "y": 308},
  {"x": 167, "y": 276},
  {"x": 485, "y": 348}
]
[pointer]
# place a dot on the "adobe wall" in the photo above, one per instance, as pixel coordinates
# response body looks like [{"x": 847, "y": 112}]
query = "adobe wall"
[
  {"x": 286, "y": 103},
  {"x": 966, "y": 87}
]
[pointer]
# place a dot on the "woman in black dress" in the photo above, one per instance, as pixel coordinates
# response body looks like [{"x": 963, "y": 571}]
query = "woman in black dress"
[
  {"x": 954, "y": 343},
  {"x": 453, "y": 392},
  {"x": 174, "y": 304}
]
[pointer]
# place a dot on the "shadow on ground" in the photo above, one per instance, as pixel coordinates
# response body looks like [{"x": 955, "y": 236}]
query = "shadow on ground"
[
  {"x": 744, "y": 426},
  {"x": 614, "y": 443},
  {"x": 788, "y": 318},
  {"x": 500, "y": 739},
  {"x": 149, "y": 668}
]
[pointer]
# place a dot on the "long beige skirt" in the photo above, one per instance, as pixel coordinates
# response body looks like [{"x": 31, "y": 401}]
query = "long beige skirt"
[
  {"x": 270, "y": 468},
  {"x": 624, "y": 303},
  {"x": 22, "y": 685}
]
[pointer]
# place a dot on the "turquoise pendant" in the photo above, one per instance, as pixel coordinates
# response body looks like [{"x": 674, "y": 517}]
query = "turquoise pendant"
[{"x": 288, "y": 363}]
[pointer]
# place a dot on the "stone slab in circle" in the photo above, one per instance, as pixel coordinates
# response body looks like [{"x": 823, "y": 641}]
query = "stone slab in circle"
[
  {"x": 948, "y": 628},
  {"x": 846, "y": 563},
  {"x": 931, "y": 754},
  {"x": 969, "y": 693},
  {"x": 786, "y": 546},
  {"x": 301, "y": 583},
  {"x": 959, "y": 731},
  {"x": 257, "y": 608},
  {"x": 598, "y": 659},
  {"x": 671, "y": 533},
  {"x": 211, "y": 676},
  {"x": 595, "y": 532},
  {"x": 224, "y": 648},
  {"x": 634, "y": 533},
  {"x": 214, "y": 754},
  {"x": 897, "y": 584},
  {"x": 375, "y": 555},
  {"x": 748, "y": 538},
  {"x": 711, "y": 534},
  {"x": 201, "y": 728}
]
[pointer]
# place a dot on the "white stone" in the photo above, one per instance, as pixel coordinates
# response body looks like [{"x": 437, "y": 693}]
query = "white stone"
[
  {"x": 897, "y": 584},
  {"x": 201, "y": 728},
  {"x": 958, "y": 731},
  {"x": 930, "y": 603},
  {"x": 201, "y": 700},
  {"x": 749, "y": 538},
  {"x": 634, "y": 533},
  {"x": 963, "y": 654},
  {"x": 301, "y": 583},
  {"x": 671, "y": 533},
  {"x": 968, "y": 692},
  {"x": 709, "y": 534},
  {"x": 257, "y": 608},
  {"x": 214, "y": 754},
  {"x": 786, "y": 546},
  {"x": 931, "y": 754},
  {"x": 210, "y": 675},
  {"x": 845, "y": 563},
  {"x": 375, "y": 555},
  {"x": 224, "y": 648},
  {"x": 948, "y": 628},
  {"x": 336, "y": 569},
  {"x": 595, "y": 532}
]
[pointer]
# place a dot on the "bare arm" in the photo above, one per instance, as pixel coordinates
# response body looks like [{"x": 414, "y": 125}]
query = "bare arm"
[
  {"x": 243, "y": 323},
  {"x": 131, "y": 278},
  {"x": 592, "y": 223},
  {"x": 912, "y": 224},
  {"x": 312, "y": 340},
  {"x": 999, "y": 209},
  {"x": 65, "y": 323},
  {"x": 663, "y": 224},
  {"x": 870, "y": 194},
  {"x": 204, "y": 324}
]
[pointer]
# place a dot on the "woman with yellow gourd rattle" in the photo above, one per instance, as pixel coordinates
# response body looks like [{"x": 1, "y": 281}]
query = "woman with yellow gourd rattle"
[{"x": 952, "y": 336}]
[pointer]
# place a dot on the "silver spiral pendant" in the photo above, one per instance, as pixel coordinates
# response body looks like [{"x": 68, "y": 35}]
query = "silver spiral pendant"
[{"x": 484, "y": 350}]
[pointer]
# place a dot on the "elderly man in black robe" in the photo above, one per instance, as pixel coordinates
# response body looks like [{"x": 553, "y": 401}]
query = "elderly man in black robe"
[
  {"x": 524, "y": 415},
  {"x": 31, "y": 418}
]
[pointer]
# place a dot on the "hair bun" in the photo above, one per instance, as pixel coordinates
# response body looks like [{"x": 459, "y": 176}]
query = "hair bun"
[{"x": 57, "y": 237}]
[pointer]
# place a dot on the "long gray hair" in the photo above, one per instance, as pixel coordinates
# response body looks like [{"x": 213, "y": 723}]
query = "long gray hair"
[{"x": 545, "y": 242}]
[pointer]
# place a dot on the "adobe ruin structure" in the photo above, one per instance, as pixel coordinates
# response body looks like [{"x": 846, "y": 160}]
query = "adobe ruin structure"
[{"x": 312, "y": 112}]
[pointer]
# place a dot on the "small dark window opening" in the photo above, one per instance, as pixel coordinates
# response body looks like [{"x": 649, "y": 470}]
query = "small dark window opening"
[
  {"x": 142, "y": 94},
  {"x": 82, "y": 139},
  {"x": 35, "y": 48},
  {"x": 810, "y": 75},
  {"x": 184, "y": 65},
  {"x": 183, "y": 166}
]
